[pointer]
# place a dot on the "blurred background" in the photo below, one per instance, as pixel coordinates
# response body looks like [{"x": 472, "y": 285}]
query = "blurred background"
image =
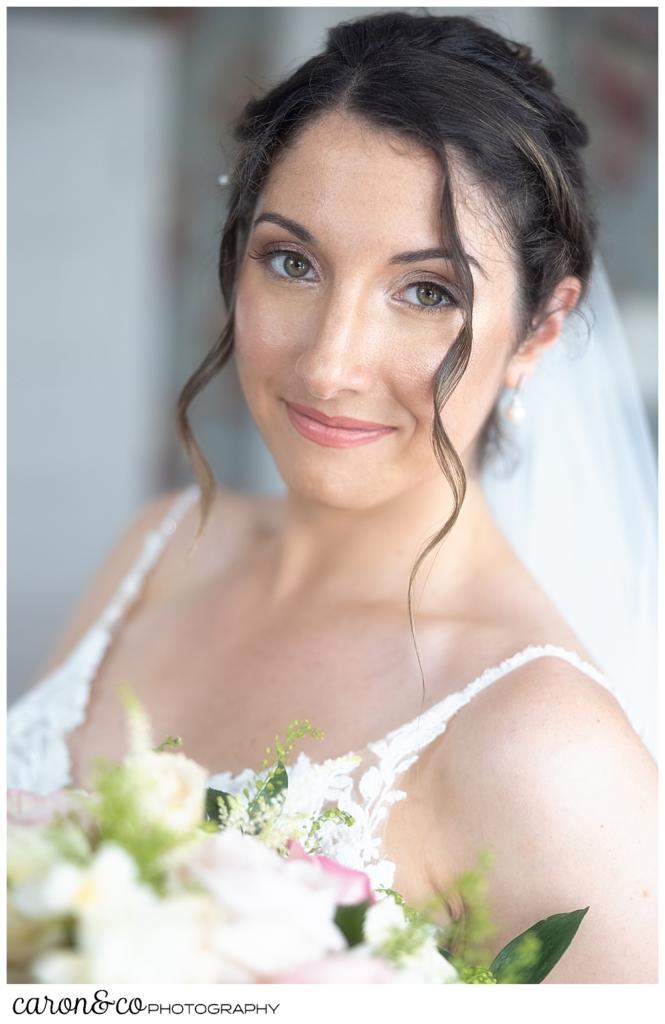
[{"x": 118, "y": 129}]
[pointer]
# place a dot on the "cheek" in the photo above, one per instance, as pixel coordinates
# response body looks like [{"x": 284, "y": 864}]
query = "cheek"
[
  {"x": 414, "y": 376},
  {"x": 477, "y": 391},
  {"x": 261, "y": 343},
  {"x": 252, "y": 324}
]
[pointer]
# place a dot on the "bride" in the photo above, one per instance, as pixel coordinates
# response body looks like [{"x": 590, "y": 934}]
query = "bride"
[{"x": 408, "y": 231}]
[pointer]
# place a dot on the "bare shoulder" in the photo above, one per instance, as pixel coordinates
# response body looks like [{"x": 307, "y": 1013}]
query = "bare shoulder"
[
  {"x": 544, "y": 769},
  {"x": 192, "y": 554},
  {"x": 548, "y": 700},
  {"x": 547, "y": 727},
  {"x": 173, "y": 570}
]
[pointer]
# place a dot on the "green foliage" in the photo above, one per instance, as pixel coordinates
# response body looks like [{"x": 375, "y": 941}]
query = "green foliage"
[
  {"x": 217, "y": 805},
  {"x": 170, "y": 743},
  {"x": 351, "y": 921},
  {"x": 311, "y": 842},
  {"x": 139, "y": 730},
  {"x": 467, "y": 936},
  {"x": 410, "y": 913},
  {"x": 527, "y": 959},
  {"x": 476, "y": 975},
  {"x": 295, "y": 730},
  {"x": 258, "y": 806},
  {"x": 69, "y": 840},
  {"x": 271, "y": 793},
  {"x": 530, "y": 957},
  {"x": 402, "y": 942},
  {"x": 119, "y": 820}
]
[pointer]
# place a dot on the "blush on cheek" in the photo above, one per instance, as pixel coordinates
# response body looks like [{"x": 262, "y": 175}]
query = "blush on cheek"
[
  {"x": 259, "y": 327},
  {"x": 472, "y": 400},
  {"x": 249, "y": 322}
]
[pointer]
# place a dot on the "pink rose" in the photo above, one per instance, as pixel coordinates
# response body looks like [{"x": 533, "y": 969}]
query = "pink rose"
[
  {"x": 352, "y": 886},
  {"x": 26, "y": 808},
  {"x": 356, "y": 966}
]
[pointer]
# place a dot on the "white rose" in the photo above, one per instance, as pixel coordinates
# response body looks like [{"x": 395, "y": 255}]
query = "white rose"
[
  {"x": 427, "y": 965},
  {"x": 154, "y": 940},
  {"x": 169, "y": 789},
  {"x": 164, "y": 940},
  {"x": 381, "y": 920},
  {"x": 274, "y": 913},
  {"x": 109, "y": 881}
]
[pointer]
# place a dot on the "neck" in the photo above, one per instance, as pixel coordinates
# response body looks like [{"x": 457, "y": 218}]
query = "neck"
[{"x": 353, "y": 556}]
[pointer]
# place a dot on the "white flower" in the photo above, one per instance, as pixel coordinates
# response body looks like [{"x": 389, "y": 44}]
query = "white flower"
[
  {"x": 108, "y": 883},
  {"x": 274, "y": 913},
  {"x": 381, "y": 873},
  {"x": 168, "y": 789},
  {"x": 61, "y": 967},
  {"x": 125, "y": 932},
  {"x": 29, "y": 853},
  {"x": 381, "y": 921},
  {"x": 153, "y": 940},
  {"x": 427, "y": 965}
]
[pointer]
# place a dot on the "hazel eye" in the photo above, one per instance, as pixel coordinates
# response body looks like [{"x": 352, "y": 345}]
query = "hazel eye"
[
  {"x": 297, "y": 263},
  {"x": 430, "y": 295},
  {"x": 293, "y": 263}
]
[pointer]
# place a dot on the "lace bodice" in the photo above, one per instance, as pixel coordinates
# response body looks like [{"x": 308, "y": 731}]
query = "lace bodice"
[{"x": 363, "y": 783}]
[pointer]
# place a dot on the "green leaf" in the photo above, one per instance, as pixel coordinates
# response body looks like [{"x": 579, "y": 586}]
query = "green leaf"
[
  {"x": 530, "y": 957},
  {"x": 351, "y": 920},
  {"x": 212, "y": 803},
  {"x": 448, "y": 955}
]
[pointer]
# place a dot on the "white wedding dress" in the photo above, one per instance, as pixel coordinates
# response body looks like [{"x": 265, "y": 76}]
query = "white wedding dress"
[{"x": 363, "y": 783}]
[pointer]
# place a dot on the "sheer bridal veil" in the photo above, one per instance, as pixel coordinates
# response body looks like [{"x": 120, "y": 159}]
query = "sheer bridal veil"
[{"x": 579, "y": 508}]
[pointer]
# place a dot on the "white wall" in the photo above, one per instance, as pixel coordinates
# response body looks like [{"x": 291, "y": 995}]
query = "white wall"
[{"x": 88, "y": 214}]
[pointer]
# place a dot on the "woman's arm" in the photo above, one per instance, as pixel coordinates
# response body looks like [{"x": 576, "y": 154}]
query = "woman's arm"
[{"x": 544, "y": 769}]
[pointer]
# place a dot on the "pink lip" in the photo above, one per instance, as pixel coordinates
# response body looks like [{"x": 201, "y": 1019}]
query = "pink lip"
[
  {"x": 333, "y": 436},
  {"x": 337, "y": 421}
]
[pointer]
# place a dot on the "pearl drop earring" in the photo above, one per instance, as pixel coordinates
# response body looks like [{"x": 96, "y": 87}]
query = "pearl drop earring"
[{"x": 515, "y": 411}]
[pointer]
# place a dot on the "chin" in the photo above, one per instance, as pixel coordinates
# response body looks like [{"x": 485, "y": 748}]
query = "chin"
[
  {"x": 350, "y": 489},
  {"x": 343, "y": 478}
]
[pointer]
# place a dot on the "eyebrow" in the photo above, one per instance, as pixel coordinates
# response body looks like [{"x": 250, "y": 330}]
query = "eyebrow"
[{"x": 411, "y": 256}]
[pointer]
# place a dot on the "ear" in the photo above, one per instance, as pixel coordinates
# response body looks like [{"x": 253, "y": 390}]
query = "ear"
[{"x": 544, "y": 332}]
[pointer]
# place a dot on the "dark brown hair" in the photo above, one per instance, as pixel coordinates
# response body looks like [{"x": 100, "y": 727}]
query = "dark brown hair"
[{"x": 456, "y": 87}]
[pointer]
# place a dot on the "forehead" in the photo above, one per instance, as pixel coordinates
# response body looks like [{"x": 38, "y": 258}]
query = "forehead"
[{"x": 348, "y": 180}]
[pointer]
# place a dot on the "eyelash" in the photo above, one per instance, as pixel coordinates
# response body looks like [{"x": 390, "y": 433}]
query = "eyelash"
[{"x": 267, "y": 255}]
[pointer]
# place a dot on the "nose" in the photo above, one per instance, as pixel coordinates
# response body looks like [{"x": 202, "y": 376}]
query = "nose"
[{"x": 336, "y": 355}]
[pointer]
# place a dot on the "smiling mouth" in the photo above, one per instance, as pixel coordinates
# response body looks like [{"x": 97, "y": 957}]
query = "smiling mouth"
[
  {"x": 346, "y": 422},
  {"x": 334, "y": 436}
]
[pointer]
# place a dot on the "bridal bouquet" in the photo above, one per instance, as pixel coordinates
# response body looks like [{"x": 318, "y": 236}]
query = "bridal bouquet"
[{"x": 152, "y": 877}]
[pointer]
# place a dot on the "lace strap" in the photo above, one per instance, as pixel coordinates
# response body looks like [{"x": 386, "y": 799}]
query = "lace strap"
[
  {"x": 400, "y": 748},
  {"x": 419, "y": 732},
  {"x": 153, "y": 545}
]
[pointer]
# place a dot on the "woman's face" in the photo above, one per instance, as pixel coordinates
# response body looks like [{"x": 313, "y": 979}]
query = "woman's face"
[{"x": 335, "y": 316}]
